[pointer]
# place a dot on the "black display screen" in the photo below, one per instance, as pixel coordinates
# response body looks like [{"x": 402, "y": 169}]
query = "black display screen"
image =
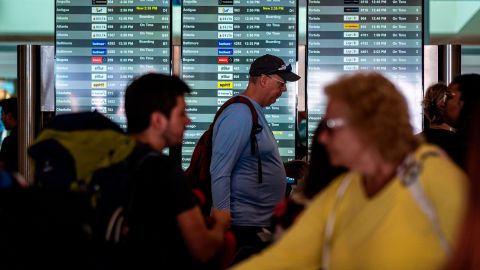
[
  {"x": 220, "y": 39},
  {"x": 101, "y": 45},
  {"x": 364, "y": 35}
]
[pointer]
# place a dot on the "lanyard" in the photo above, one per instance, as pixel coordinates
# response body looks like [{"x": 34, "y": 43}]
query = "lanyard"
[
  {"x": 409, "y": 174},
  {"x": 327, "y": 242}
]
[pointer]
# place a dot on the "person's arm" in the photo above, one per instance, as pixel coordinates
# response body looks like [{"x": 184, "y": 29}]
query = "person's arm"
[
  {"x": 202, "y": 242},
  {"x": 231, "y": 135}
]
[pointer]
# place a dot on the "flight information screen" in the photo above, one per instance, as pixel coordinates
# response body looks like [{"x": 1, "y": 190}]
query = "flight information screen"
[
  {"x": 101, "y": 45},
  {"x": 364, "y": 35},
  {"x": 220, "y": 39}
]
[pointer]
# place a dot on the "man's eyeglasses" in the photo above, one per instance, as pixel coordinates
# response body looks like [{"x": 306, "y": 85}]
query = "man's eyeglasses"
[
  {"x": 330, "y": 124},
  {"x": 284, "y": 68},
  {"x": 282, "y": 82}
]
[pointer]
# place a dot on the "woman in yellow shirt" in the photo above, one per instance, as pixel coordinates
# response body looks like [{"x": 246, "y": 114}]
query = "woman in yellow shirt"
[{"x": 397, "y": 208}]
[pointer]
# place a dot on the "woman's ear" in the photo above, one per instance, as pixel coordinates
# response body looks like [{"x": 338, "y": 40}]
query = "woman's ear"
[{"x": 158, "y": 121}]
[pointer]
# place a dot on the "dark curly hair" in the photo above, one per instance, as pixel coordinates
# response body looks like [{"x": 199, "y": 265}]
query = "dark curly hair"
[
  {"x": 150, "y": 93},
  {"x": 433, "y": 103}
]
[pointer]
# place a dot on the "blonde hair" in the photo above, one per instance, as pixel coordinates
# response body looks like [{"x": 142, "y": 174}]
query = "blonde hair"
[{"x": 378, "y": 111}]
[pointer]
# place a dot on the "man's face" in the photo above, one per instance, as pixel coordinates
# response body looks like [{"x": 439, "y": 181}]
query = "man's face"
[
  {"x": 453, "y": 104},
  {"x": 4, "y": 118},
  {"x": 275, "y": 86},
  {"x": 343, "y": 142},
  {"x": 176, "y": 123},
  {"x": 7, "y": 120}
]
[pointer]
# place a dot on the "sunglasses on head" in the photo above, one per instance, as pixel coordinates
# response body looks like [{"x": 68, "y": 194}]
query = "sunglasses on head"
[
  {"x": 283, "y": 68},
  {"x": 448, "y": 95}
]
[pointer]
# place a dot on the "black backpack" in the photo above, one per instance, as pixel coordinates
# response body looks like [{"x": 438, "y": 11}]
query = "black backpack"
[
  {"x": 113, "y": 188},
  {"x": 44, "y": 230},
  {"x": 199, "y": 170}
]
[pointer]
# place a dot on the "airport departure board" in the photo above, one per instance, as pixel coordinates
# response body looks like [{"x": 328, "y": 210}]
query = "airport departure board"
[
  {"x": 101, "y": 45},
  {"x": 220, "y": 39},
  {"x": 364, "y": 35}
]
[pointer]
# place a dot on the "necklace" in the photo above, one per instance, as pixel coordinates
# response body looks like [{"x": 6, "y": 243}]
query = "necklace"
[{"x": 444, "y": 127}]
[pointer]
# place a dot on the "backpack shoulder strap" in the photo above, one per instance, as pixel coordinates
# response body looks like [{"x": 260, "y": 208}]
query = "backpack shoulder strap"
[
  {"x": 256, "y": 128},
  {"x": 116, "y": 222},
  {"x": 142, "y": 160},
  {"x": 239, "y": 99},
  {"x": 409, "y": 173}
]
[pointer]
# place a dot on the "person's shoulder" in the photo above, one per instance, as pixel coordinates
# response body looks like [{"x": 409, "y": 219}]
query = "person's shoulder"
[
  {"x": 438, "y": 167},
  {"x": 158, "y": 159},
  {"x": 7, "y": 139},
  {"x": 428, "y": 151},
  {"x": 237, "y": 114},
  {"x": 145, "y": 155},
  {"x": 239, "y": 109}
]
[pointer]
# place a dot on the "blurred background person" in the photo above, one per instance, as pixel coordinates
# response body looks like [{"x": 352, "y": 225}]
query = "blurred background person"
[
  {"x": 301, "y": 136},
  {"x": 319, "y": 173},
  {"x": 466, "y": 256},
  {"x": 462, "y": 96},
  {"x": 9, "y": 150},
  {"x": 437, "y": 131},
  {"x": 390, "y": 211}
]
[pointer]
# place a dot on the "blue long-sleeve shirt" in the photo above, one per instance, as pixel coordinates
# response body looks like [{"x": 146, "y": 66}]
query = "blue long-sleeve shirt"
[{"x": 234, "y": 169}]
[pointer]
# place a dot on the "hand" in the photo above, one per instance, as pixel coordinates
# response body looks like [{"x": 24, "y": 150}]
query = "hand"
[{"x": 221, "y": 217}]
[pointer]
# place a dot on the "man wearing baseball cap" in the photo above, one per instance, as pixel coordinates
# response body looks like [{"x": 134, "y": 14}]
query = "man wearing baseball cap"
[{"x": 236, "y": 185}]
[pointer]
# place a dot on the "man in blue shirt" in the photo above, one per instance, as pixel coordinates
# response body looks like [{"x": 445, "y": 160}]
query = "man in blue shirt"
[{"x": 234, "y": 170}]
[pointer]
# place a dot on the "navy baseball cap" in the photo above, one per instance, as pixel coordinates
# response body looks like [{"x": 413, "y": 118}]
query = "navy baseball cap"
[
  {"x": 9, "y": 105},
  {"x": 269, "y": 64}
]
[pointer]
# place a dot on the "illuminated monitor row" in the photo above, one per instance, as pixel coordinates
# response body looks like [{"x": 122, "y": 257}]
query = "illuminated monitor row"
[
  {"x": 364, "y": 35},
  {"x": 101, "y": 45}
]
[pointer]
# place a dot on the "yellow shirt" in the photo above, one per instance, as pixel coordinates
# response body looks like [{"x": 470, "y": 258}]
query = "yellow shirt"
[{"x": 388, "y": 231}]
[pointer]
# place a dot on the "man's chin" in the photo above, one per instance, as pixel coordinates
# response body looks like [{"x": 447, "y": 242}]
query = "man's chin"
[{"x": 273, "y": 102}]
